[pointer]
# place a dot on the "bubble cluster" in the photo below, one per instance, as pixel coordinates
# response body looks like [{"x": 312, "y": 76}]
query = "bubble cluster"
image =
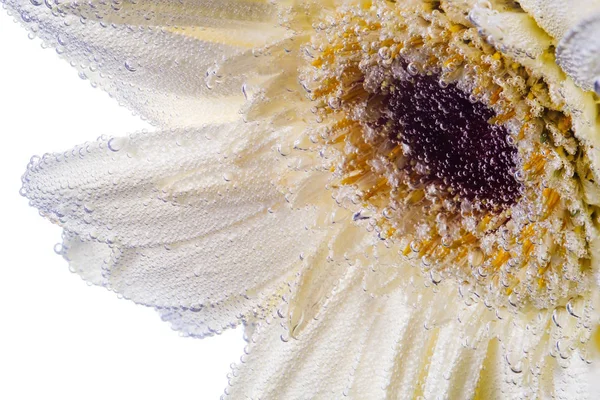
[{"x": 452, "y": 137}]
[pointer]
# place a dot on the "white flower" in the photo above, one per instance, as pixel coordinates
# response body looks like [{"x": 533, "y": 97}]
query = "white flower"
[{"x": 397, "y": 199}]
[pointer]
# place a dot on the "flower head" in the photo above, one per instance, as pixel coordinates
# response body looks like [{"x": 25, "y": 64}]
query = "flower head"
[{"x": 397, "y": 199}]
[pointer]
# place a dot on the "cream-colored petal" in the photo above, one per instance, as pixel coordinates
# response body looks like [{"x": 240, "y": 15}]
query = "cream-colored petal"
[
  {"x": 172, "y": 79},
  {"x": 575, "y": 26},
  {"x": 176, "y": 12},
  {"x": 404, "y": 341},
  {"x": 456, "y": 362},
  {"x": 208, "y": 284},
  {"x": 511, "y": 31},
  {"x": 243, "y": 24},
  {"x": 240, "y": 260},
  {"x": 163, "y": 187},
  {"x": 577, "y": 381},
  {"x": 362, "y": 346},
  {"x": 557, "y": 17},
  {"x": 324, "y": 271},
  {"x": 317, "y": 366},
  {"x": 90, "y": 259},
  {"x": 212, "y": 319},
  {"x": 578, "y": 53},
  {"x": 192, "y": 222}
]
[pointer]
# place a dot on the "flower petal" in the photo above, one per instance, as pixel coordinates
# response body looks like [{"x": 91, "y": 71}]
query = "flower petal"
[
  {"x": 557, "y": 16},
  {"x": 205, "y": 291},
  {"x": 89, "y": 259},
  {"x": 362, "y": 346},
  {"x": 171, "y": 79},
  {"x": 512, "y": 32},
  {"x": 319, "y": 365},
  {"x": 578, "y": 381},
  {"x": 155, "y": 217},
  {"x": 575, "y": 27},
  {"x": 176, "y": 13},
  {"x": 157, "y": 188},
  {"x": 210, "y": 320},
  {"x": 408, "y": 342},
  {"x": 321, "y": 276},
  {"x": 241, "y": 260},
  {"x": 201, "y": 286},
  {"x": 578, "y": 53}
]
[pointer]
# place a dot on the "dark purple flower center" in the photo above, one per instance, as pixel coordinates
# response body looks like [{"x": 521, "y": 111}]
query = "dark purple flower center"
[{"x": 451, "y": 137}]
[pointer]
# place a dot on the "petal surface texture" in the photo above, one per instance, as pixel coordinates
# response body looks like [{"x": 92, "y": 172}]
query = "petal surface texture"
[
  {"x": 171, "y": 78},
  {"x": 132, "y": 211},
  {"x": 402, "y": 345}
]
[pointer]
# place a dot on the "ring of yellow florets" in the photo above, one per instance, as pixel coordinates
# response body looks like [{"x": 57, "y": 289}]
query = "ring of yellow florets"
[{"x": 530, "y": 250}]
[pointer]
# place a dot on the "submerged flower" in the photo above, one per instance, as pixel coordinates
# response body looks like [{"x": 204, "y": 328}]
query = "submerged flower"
[{"x": 397, "y": 199}]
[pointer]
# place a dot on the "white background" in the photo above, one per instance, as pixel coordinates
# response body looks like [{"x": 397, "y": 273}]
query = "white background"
[{"x": 60, "y": 338}]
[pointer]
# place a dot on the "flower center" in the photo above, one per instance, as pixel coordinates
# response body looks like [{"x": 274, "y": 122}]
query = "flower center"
[
  {"x": 451, "y": 138},
  {"x": 452, "y": 152}
]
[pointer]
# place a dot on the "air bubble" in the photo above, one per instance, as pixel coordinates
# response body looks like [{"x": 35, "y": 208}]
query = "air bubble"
[
  {"x": 58, "y": 248},
  {"x": 227, "y": 176},
  {"x": 115, "y": 144},
  {"x": 334, "y": 102},
  {"x": 514, "y": 362},
  {"x": 574, "y": 308},
  {"x": 284, "y": 149},
  {"x": 412, "y": 69},
  {"x": 385, "y": 53},
  {"x": 558, "y": 317},
  {"x": 435, "y": 276},
  {"x": 61, "y": 39},
  {"x": 131, "y": 66}
]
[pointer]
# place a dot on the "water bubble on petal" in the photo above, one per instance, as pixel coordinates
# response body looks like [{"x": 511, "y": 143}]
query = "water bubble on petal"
[
  {"x": 58, "y": 248},
  {"x": 25, "y": 16},
  {"x": 116, "y": 144},
  {"x": 514, "y": 362},
  {"x": 284, "y": 149},
  {"x": 435, "y": 276},
  {"x": 61, "y": 39},
  {"x": 227, "y": 176},
  {"x": 559, "y": 317},
  {"x": 131, "y": 66},
  {"x": 575, "y": 307}
]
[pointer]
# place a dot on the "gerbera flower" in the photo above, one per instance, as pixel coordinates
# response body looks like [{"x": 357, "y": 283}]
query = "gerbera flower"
[{"x": 396, "y": 199}]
